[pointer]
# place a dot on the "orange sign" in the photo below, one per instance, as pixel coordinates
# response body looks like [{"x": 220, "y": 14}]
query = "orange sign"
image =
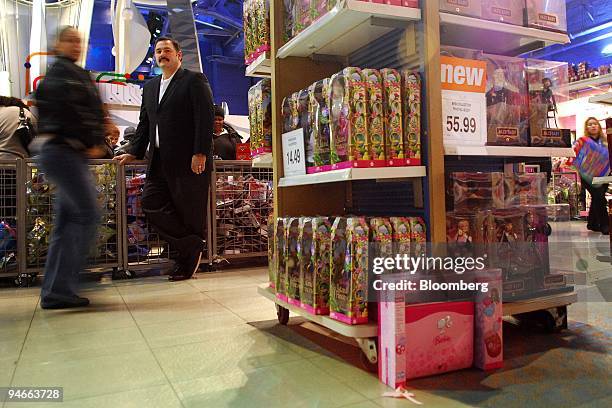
[{"x": 464, "y": 75}]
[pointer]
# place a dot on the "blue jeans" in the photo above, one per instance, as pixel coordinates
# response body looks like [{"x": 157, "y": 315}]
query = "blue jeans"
[{"x": 76, "y": 218}]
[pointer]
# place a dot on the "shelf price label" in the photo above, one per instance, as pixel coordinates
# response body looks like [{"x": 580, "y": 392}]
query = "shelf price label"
[
  {"x": 294, "y": 155},
  {"x": 464, "y": 114}
]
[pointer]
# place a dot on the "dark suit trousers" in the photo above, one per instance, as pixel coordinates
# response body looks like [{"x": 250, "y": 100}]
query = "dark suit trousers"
[
  {"x": 598, "y": 213},
  {"x": 176, "y": 205}
]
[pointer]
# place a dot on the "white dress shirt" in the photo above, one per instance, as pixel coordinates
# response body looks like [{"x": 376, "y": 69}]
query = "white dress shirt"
[{"x": 162, "y": 89}]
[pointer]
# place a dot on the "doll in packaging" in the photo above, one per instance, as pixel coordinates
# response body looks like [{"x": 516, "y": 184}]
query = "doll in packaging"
[
  {"x": 488, "y": 323},
  {"x": 507, "y": 115},
  {"x": 525, "y": 189},
  {"x": 319, "y": 114},
  {"x": 265, "y": 115},
  {"x": 280, "y": 249},
  {"x": 315, "y": 272},
  {"x": 248, "y": 30},
  {"x": 263, "y": 26},
  {"x": 411, "y": 95},
  {"x": 504, "y": 11},
  {"x": 401, "y": 235},
  {"x": 381, "y": 237},
  {"x": 318, "y": 9},
  {"x": 349, "y": 270},
  {"x": 547, "y": 14},
  {"x": 471, "y": 8},
  {"x": 253, "y": 114},
  {"x": 376, "y": 117},
  {"x": 418, "y": 236},
  {"x": 289, "y": 20},
  {"x": 302, "y": 15},
  {"x": 292, "y": 261},
  {"x": 348, "y": 122},
  {"x": 287, "y": 113},
  {"x": 548, "y": 86},
  {"x": 306, "y": 266},
  {"x": 460, "y": 234},
  {"x": 305, "y": 122},
  {"x": 394, "y": 142},
  {"x": 477, "y": 191}
]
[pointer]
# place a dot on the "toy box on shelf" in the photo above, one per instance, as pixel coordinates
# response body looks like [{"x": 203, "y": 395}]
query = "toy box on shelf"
[
  {"x": 292, "y": 263},
  {"x": 472, "y": 8},
  {"x": 260, "y": 117},
  {"x": 547, "y": 15},
  {"x": 504, "y": 11},
  {"x": 315, "y": 253},
  {"x": 256, "y": 21},
  {"x": 548, "y": 86},
  {"x": 506, "y": 97}
]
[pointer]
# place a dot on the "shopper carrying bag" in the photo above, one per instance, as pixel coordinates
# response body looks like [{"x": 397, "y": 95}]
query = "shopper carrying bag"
[{"x": 592, "y": 160}]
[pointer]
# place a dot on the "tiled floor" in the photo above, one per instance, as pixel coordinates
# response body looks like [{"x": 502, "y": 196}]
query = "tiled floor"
[{"x": 214, "y": 342}]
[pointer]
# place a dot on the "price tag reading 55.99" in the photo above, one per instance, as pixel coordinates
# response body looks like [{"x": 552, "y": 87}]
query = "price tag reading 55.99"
[{"x": 460, "y": 124}]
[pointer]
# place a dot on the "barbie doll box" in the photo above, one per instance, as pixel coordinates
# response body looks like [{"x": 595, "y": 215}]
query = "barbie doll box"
[
  {"x": 418, "y": 340},
  {"x": 315, "y": 253}
]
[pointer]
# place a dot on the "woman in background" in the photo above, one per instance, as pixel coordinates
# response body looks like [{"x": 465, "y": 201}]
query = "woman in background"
[
  {"x": 598, "y": 213},
  {"x": 10, "y": 145}
]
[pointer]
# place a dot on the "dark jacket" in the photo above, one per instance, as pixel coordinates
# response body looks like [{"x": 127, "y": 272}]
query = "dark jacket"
[
  {"x": 225, "y": 144},
  {"x": 185, "y": 120},
  {"x": 69, "y": 106}
]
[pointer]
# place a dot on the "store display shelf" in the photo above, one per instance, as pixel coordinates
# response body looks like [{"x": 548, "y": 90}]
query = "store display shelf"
[
  {"x": 494, "y": 37},
  {"x": 350, "y": 25},
  {"x": 591, "y": 83},
  {"x": 509, "y": 151},
  {"x": 354, "y": 174},
  {"x": 603, "y": 98},
  {"x": 261, "y": 67},
  {"x": 602, "y": 180},
  {"x": 264, "y": 161},
  {"x": 355, "y": 331},
  {"x": 540, "y": 303}
]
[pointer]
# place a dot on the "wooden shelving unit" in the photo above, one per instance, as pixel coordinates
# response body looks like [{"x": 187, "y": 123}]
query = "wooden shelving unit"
[{"x": 260, "y": 68}]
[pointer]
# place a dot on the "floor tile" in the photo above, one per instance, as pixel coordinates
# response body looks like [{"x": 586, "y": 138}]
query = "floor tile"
[
  {"x": 211, "y": 282},
  {"x": 173, "y": 333},
  {"x": 92, "y": 318},
  {"x": 7, "y": 368},
  {"x": 173, "y": 308},
  {"x": 292, "y": 384},
  {"x": 152, "y": 397},
  {"x": 426, "y": 399},
  {"x": 58, "y": 347},
  {"x": 155, "y": 287},
  {"x": 94, "y": 376},
  {"x": 363, "y": 404},
  {"x": 238, "y": 349}
]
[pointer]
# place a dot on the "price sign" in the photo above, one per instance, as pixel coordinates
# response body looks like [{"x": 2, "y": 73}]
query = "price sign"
[
  {"x": 294, "y": 156},
  {"x": 464, "y": 114}
]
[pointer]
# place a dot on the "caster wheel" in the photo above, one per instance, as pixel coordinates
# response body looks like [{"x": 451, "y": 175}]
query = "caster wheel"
[
  {"x": 24, "y": 280},
  {"x": 282, "y": 314},
  {"x": 367, "y": 364}
]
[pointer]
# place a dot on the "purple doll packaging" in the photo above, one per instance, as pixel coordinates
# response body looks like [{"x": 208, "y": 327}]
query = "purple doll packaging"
[
  {"x": 395, "y": 151},
  {"x": 292, "y": 265},
  {"x": 547, "y": 14},
  {"x": 506, "y": 99},
  {"x": 411, "y": 106},
  {"x": 319, "y": 115},
  {"x": 376, "y": 117}
]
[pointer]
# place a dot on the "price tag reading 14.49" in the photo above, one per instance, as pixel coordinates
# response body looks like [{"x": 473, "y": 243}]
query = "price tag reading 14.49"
[{"x": 294, "y": 157}]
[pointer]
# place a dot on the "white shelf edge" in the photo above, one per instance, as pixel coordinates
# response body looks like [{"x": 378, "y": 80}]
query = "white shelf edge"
[
  {"x": 590, "y": 83},
  {"x": 261, "y": 67},
  {"x": 605, "y": 98},
  {"x": 356, "y": 7},
  {"x": 354, "y": 174},
  {"x": 535, "y": 33},
  {"x": 509, "y": 151},
  {"x": 539, "y": 303},
  {"x": 602, "y": 180},
  {"x": 347, "y": 330},
  {"x": 264, "y": 161}
]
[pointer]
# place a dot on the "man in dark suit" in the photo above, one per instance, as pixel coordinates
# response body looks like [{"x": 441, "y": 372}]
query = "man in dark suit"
[{"x": 176, "y": 120}]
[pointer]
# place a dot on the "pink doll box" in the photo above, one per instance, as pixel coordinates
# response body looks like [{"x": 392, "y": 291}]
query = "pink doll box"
[
  {"x": 280, "y": 248},
  {"x": 271, "y": 252},
  {"x": 349, "y": 270},
  {"x": 395, "y": 151},
  {"x": 401, "y": 235},
  {"x": 348, "y": 120},
  {"x": 505, "y": 11},
  {"x": 376, "y": 117},
  {"x": 439, "y": 338},
  {"x": 418, "y": 236},
  {"x": 471, "y": 8},
  {"x": 411, "y": 105},
  {"x": 315, "y": 239},
  {"x": 488, "y": 339},
  {"x": 292, "y": 261}
]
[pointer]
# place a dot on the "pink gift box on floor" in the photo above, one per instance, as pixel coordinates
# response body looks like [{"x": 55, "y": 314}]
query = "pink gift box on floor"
[{"x": 424, "y": 339}]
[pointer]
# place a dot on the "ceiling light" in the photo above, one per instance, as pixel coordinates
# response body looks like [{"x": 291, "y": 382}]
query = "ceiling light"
[{"x": 607, "y": 50}]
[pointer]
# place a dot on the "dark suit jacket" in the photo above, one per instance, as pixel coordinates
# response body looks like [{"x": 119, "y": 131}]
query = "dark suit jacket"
[{"x": 185, "y": 119}]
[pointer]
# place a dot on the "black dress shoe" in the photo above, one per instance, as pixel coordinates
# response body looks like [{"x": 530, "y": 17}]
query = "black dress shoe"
[
  {"x": 605, "y": 231},
  {"x": 178, "y": 278},
  {"x": 64, "y": 303},
  {"x": 595, "y": 228}
]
